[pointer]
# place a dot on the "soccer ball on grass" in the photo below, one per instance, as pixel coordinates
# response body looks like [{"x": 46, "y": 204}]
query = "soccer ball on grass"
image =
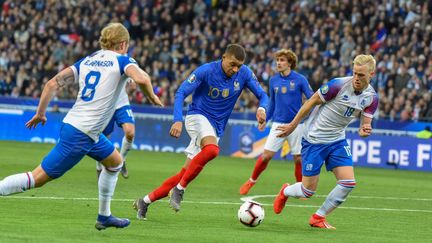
[{"x": 251, "y": 214}]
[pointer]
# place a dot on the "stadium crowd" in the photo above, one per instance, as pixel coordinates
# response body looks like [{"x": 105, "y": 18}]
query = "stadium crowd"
[{"x": 170, "y": 38}]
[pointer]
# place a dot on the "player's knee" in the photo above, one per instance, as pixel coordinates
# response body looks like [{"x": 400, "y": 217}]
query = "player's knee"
[
  {"x": 297, "y": 159},
  {"x": 114, "y": 168},
  {"x": 266, "y": 158},
  {"x": 130, "y": 136},
  {"x": 212, "y": 150}
]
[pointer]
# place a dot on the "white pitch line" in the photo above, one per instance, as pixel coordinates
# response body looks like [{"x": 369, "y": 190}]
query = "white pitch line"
[
  {"x": 353, "y": 196},
  {"x": 222, "y": 203}
]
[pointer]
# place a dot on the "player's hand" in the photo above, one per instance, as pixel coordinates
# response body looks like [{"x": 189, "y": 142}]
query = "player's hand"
[
  {"x": 36, "y": 119},
  {"x": 261, "y": 116},
  {"x": 154, "y": 100},
  {"x": 285, "y": 129},
  {"x": 365, "y": 130},
  {"x": 132, "y": 85},
  {"x": 176, "y": 129},
  {"x": 261, "y": 126}
]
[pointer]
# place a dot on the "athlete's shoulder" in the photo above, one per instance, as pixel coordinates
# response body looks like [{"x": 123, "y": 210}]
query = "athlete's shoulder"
[
  {"x": 209, "y": 66},
  {"x": 246, "y": 73},
  {"x": 299, "y": 76},
  {"x": 125, "y": 59}
]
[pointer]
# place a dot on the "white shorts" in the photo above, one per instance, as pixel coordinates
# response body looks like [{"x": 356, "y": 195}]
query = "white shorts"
[
  {"x": 198, "y": 127},
  {"x": 274, "y": 143}
]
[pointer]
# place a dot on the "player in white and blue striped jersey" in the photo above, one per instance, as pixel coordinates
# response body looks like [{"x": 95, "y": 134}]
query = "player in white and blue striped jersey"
[
  {"x": 124, "y": 118},
  {"x": 334, "y": 106},
  {"x": 101, "y": 77}
]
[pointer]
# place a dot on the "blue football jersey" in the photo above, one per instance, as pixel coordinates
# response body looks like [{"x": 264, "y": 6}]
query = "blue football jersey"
[
  {"x": 286, "y": 96},
  {"x": 215, "y": 94}
]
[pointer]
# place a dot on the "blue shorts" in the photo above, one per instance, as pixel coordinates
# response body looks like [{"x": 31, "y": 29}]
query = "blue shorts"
[
  {"x": 333, "y": 154},
  {"x": 72, "y": 146},
  {"x": 121, "y": 115}
]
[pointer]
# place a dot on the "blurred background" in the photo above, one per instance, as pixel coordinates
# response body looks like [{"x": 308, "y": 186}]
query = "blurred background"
[{"x": 171, "y": 38}]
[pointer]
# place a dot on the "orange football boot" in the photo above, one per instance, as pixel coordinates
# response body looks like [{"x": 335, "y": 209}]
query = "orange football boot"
[
  {"x": 280, "y": 200},
  {"x": 319, "y": 222}
]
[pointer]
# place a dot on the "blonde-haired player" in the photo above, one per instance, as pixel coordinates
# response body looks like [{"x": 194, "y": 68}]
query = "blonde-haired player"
[
  {"x": 101, "y": 77},
  {"x": 334, "y": 106}
]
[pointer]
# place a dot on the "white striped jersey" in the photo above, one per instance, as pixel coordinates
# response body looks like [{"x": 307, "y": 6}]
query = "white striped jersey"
[
  {"x": 342, "y": 104},
  {"x": 101, "y": 79}
]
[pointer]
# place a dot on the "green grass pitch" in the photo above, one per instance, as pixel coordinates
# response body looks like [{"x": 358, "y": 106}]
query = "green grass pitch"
[{"x": 386, "y": 206}]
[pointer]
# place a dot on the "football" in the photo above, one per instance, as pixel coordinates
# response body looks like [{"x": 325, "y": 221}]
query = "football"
[{"x": 251, "y": 214}]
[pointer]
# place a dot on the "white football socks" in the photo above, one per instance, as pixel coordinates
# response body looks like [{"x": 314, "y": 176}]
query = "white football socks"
[
  {"x": 107, "y": 183},
  {"x": 336, "y": 197},
  {"x": 16, "y": 183},
  {"x": 147, "y": 199},
  {"x": 126, "y": 146},
  {"x": 298, "y": 190},
  {"x": 99, "y": 166}
]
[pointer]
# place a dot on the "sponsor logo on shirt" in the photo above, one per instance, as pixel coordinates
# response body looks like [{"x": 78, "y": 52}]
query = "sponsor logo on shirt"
[{"x": 345, "y": 97}]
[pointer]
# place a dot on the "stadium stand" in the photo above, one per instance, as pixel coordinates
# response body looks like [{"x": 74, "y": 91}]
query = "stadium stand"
[{"x": 172, "y": 37}]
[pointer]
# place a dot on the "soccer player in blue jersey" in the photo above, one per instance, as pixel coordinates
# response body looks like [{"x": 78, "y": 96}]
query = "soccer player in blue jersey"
[
  {"x": 286, "y": 95},
  {"x": 215, "y": 88},
  {"x": 334, "y": 106},
  {"x": 101, "y": 77},
  {"x": 123, "y": 117}
]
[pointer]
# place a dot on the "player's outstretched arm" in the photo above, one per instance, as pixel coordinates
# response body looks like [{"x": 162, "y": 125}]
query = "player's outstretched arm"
[
  {"x": 63, "y": 77},
  {"x": 143, "y": 80},
  {"x": 287, "y": 129},
  {"x": 365, "y": 127}
]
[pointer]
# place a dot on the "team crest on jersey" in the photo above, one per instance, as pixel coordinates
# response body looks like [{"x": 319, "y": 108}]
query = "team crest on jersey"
[
  {"x": 225, "y": 93},
  {"x": 191, "y": 79},
  {"x": 292, "y": 85},
  {"x": 345, "y": 97},
  {"x": 284, "y": 89},
  {"x": 324, "y": 89},
  {"x": 363, "y": 103},
  {"x": 236, "y": 85}
]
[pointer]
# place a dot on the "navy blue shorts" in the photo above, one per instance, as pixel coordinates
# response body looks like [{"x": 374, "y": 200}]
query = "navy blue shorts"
[
  {"x": 121, "y": 115},
  {"x": 333, "y": 155},
  {"x": 72, "y": 146}
]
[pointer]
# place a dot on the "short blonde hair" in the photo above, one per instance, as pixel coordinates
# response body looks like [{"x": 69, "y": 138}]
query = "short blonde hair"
[
  {"x": 290, "y": 56},
  {"x": 112, "y": 35},
  {"x": 365, "y": 60}
]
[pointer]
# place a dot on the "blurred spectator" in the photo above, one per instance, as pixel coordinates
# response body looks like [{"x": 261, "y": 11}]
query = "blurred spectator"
[{"x": 170, "y": 38}]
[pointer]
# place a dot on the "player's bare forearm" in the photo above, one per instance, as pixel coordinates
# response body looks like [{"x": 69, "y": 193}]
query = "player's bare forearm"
[
  {"x": 306, "y": 108},
  {"x": 48, "y": 92},
  {"x": 365, "y": 127},
  {"x": 143, "y": 80}
]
